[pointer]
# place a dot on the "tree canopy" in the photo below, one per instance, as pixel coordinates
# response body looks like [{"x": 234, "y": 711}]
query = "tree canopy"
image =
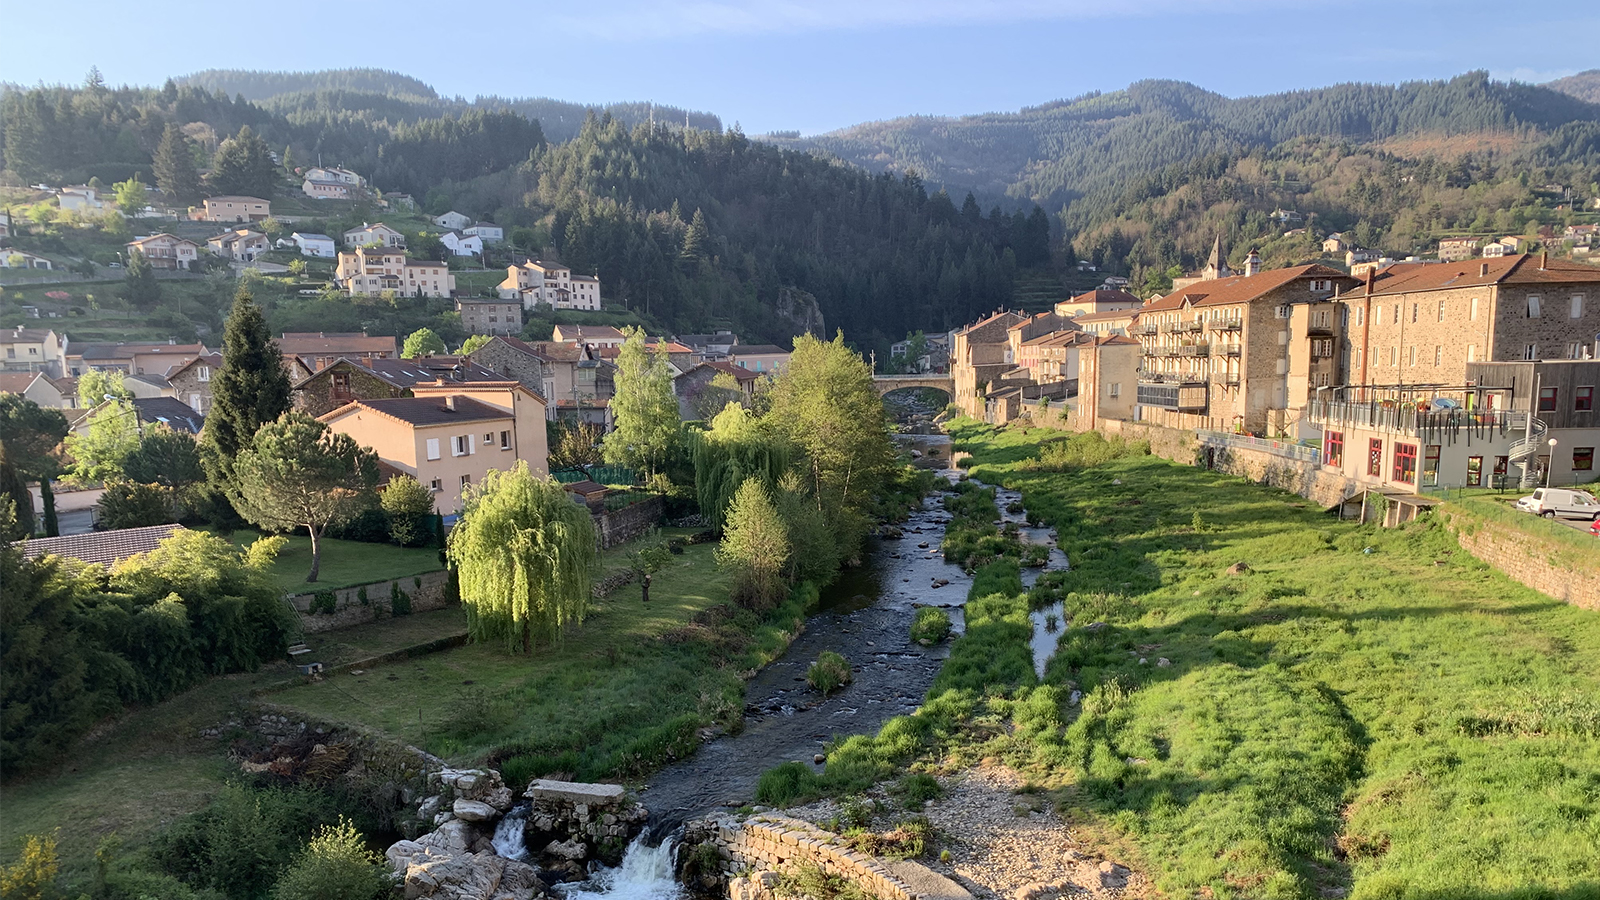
[
  {"x": 422, "y": 342},
  {"x": 645, "y": 408},
  {"x": 251, "y": 387},
  {"x": 243, "y": 165}
]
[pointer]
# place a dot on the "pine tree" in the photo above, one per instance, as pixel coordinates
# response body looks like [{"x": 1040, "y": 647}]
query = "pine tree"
[
  {"x": 174, "y": 167},
  {"x": 697, "y": 240},
  {"x": 140, "y": 286},
  {"x": 243, "y": 165},
  {"x": 249, "y": 390}
]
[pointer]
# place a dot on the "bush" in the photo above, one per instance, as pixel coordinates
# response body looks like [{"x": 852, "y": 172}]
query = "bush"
[
  {"x": 930, "y": 626},
  {"x": 325, "y": 602},
  {"x": 336, "y": 865},
  {"x": 829, "y": 673},
  {"x": 399, "y": 600},
  {"x": 129, "y": 504},
  {"x": 408, "y": 506},
  {"x": 370, "y": 526},
  {"x": 33, "y": 875}
]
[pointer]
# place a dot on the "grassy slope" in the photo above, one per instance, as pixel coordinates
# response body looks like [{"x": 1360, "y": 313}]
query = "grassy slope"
[
  {"x": 344, "y": 563},
  {"x": 1405, "y": 719}
]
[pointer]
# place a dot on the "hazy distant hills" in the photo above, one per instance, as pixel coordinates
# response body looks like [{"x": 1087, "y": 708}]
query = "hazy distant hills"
[
  {"x": 1058, "y": 151},
  {"x": 1584, "y": 85},
  {"x": 378, "y": 94}
]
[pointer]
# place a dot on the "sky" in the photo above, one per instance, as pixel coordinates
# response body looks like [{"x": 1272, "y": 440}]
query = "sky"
[{"x": 817, "y": 65}]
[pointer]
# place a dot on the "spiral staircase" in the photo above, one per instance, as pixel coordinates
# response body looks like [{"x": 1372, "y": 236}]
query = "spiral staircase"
[{"x": 1525, "y": 453}]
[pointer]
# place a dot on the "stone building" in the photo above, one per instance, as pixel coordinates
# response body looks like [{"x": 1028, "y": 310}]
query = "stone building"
[
  {"x": 346, "y": 380},
  {"x": 490, "y": 316},
  {"x": 981, "y": 352}
]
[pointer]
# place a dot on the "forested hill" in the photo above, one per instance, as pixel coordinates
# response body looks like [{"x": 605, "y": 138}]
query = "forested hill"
[
  {"x": 1053, "y": 153},
  {"x": 1584, "y": 85},
  {"x": 375, "y": 96}
]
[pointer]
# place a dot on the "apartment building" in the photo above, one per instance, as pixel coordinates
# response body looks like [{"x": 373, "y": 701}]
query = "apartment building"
[
  {"x": 574, "y": 378},
  {"x": 166, "y": 251},
  {"x": 1112, "y": 321},
  {"x": 1242, "y": 352},
  {"x": 490, "y": 316},
  {"x": 536, "y": 282},
  {"x": 371, "y": 270},
  {"x": 1099, "y": 300},
  {"x": 33, "y": 350},
  {"x": 449, "y": 436},
  {"x": 375, "y": 233},
  {"x": 235, "y": 209},
  {"x": 1457, "y": 249},
  {"x": 981, "y": 352}
]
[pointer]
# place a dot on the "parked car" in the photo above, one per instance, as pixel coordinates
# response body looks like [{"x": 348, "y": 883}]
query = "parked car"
[
  {"x": 1552, "y": 502},
  {"x": 1594, "y": 528}
]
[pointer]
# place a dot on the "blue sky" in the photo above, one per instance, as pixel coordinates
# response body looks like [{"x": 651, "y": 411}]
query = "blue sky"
[{"x": 815, "y": 65}]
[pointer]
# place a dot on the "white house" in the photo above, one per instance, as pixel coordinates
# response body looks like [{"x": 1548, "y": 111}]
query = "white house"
[
  {"x": 80, "y": 197},
  {"x": 11, "y": 258},
  {"x": 452, "y": 220},
  {"x": 334, "y": 173},
  {"x": 376, "y": 233},
  {"x": 318, "y": 245},
  {"x": 535, "y": 282},
  {"x": 490, "y": 232},
  {"x": 462, "y": 244}
]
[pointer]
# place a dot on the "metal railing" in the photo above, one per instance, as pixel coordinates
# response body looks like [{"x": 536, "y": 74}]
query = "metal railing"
[
  {"x": 1232, "y": 349},
  {"x": 1407, "y": 419},
  {"x": 1200, "y": 349},
  {"x": 1225, "y": 324},
  {"x": 1284, "y": 448}
]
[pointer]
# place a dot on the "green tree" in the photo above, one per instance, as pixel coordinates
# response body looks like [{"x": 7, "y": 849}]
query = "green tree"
[
  {"x": 131, "y": 196},
  {"x": 473, "y": 342},
  {"x": 825, "y": 405},
  {"x": 335, "y": 865},
  {"x": 645, "y": 408},
  {"x": 243, "y": 165},
  {"x": 423, "y": 342},
  {"x": 32, "y": 438},
  {"x": 298, "y": 474},
  {"x": 168, "y": 458},
  {"x": 174, "y": 167},
  {"x": 755, "y": 547},
  {"x": 98, "y": 455},
  {"x": 736, "y": 447},
  {"x": 409, "y": 505},
  {"x": 45, "y": 699},
  {"x": 33, "y": 875},
  {"x": 139, "y": 286},
  {"x": 16, "y": 502},
  {"x": 525, "y": 556},
  {"x": 131, "y": 504},
  {"x": 574, "y": 445},
  {"x": 96, "y": 386},
  {"x": 697, "y": 239},
  {"x": 249, "y": 389}
]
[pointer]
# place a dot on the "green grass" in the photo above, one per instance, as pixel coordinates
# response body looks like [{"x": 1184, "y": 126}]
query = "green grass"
[
  {"x": 1366, "y": 710},
  {"x": 344, "y": 563},
  {"x": 618, "y": 696}
]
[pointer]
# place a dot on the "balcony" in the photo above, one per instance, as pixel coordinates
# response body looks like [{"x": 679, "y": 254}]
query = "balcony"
[
  {"x": 1168, "y": 393},
  {"x": 1225, "y": 324},
  {"x": 1192, "y": 327},
  {"x": 1162, "y": 352},
  {"x": 1230, "y": 379},
  {"x": 1200, "y": 349},
  {"x": 1405, "y": 419},
  {"x": 1151, "y": 328},
  {"x": 1230, "y": 349}
]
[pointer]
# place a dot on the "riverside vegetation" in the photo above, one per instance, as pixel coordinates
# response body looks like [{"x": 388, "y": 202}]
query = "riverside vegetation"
[{"x": 1354, "y": 711}]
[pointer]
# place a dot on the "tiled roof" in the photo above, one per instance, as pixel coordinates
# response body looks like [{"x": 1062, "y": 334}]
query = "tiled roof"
[
  {"x": 169, "y": 411},
  {"x": 1520, "y": 269},
  {"x": 124, "y": 350},
  {"x": 1107, "y": 315},
  {"x": 408, "y": 372},
  {"x": 354, "y": 343},
  {"x": 102, "y": 547},
  {"x": 585, "y": 333},
  {"x": 236, "y": 197},
  {"x": 1098, "y": 296},
  {"x": 16, "y": 382},
  {"x": 1239, "y": 288},
  {"x": 1114, "y": 339},
  {"x": 519, "y": 345},
  {"x": 737, "y": 371},
  {"x": 430, "y": 410},
  {"x": 757, "y": 350},
  {"x": 31, "y": 335}
]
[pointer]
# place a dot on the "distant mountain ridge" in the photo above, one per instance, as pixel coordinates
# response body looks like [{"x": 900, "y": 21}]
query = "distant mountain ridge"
[{"x": 1584, "y": 85}]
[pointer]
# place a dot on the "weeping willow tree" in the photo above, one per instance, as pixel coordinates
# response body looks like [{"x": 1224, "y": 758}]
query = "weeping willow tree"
[
  {"x": 525, "y": 556},
  {"x": 733, "y": 449}
]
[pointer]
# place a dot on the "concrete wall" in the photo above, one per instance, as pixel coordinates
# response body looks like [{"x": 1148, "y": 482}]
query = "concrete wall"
[
  {"x": 1559, "y": 571},
  {"x": 350, "y": 611}
]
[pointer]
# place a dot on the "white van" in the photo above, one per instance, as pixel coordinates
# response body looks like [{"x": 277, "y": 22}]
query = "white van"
[{"x": 1552, "y": 502}]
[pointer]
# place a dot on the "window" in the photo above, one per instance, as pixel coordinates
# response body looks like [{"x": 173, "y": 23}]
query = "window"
[
  {"x": 488, "y": 439},
  {"x": 1438, "y": 355},
  {"x": 1413, "y": 354},
  {"x": 1322, "y": 348},
  {"x": 1583, "y": 399},
  {"x": 205, "y": 373},
  {"x": 1333, "y": 448},
  {"x": 1473, "y": 312},
  {"x": 1397, "y": 314},
  {"x": 1405, "y": 463},
  {"x": 1575, "y": 350},
  {"x": 1474, "y": 471},
  {"x": 1547, "y": 399},
  {"x": 1414, "y": 308},
  {"x": 1441, "y": 310},
  {"x": 433, "y": 451},
  {"x": 1530, "y": 352},
  {"x": 1375, "y": 457},
  {"x": 1500, "y": 465},
  {"x": 461, "y": 445},
  {"x": 341, "y": 384},
  {"x": 1361, "y": 316},
  {"x": 505, "y": 440},
  {"x": 1281, "y": 312},
  {"x": 1115, "y": 390},
  {"x": 1430, "y": 466},
  {"x": 1582, "y": 459},
  {"x": 1472, "y": 352},
  {"x": 1577, "y": 306},
  {"x": 1533, "y": 306},
  {"x": 1394, "y": 356}
]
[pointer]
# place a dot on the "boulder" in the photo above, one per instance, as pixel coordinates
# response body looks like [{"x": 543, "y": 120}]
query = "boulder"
[
  {"x": 1113, "y": 875},
  {"x": 1237, "y": 568},
  {"x": 571, "y": 849},
  {"x": 574, "y": 792},
  {"x": 474, "y": 811}
]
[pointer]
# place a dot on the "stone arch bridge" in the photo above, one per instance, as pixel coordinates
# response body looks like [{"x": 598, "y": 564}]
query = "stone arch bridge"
[{"x": 889, "y": 383}]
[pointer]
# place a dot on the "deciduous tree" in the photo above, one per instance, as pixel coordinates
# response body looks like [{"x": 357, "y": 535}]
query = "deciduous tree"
[
  {"x": 32, "y": 437},
  {"x": 423, "y": 342},
  {"x": 98, "y": 454},
  {"x": 755, "y": 546},
  {"x": 131, "y": 196},
  {"x": 525, "y": 556},
  {"x": 645, "y": 408},
  {"x": 298, "y": 474}
]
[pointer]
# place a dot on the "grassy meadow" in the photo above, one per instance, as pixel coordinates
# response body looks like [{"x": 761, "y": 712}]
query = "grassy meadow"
[{"x": 1359, "y": 712}]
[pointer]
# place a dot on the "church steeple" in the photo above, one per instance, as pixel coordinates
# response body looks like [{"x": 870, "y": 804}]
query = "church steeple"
[{"x": 1217, "y": 265}]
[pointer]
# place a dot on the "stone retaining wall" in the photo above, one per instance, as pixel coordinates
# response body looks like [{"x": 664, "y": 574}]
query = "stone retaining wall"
[
  {"x": 618, "y": 526},
  {"x": 427, "y": 592},
  {"x": 776, "y": 843},
  {"x": 1565, "y": 573}
]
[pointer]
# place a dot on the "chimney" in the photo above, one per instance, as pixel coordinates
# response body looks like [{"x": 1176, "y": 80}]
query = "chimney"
[
  {"x": 1372, "y": 278},
  {"x": 1544, "y": 259},
  {"x": 1483, "y": 270},
  {"x": 450, "y": 402}
]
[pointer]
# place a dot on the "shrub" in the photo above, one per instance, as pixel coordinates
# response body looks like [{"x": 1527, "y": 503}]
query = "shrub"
[
  {"x": 129, "y": 504},
  {"x": 408, "y": 506},
  {"x": 325, "y": 602},
  {"x": 33, "y": 875},
  {"x": 829, "y": 673},
  {"x": 362, "y": 598},
  {"x": 335, "y": 865},
  {"x": 930, "y": 626},
  {"x": 399, "y": 600},
  {"x": 788, "y": 784}
]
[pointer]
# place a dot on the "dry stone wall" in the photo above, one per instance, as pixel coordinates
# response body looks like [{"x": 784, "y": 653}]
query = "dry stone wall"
[
  {"x": 1565, "y": 573},
  {"x": 427, "y": 592},
  {"x": 618, "y": 526},
  {"x": 766, "y": 844}
]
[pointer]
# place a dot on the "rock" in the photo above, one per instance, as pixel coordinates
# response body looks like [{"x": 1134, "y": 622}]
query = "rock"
[
  {"x": 500, "y": 798},
  {"x": 575, "y": 792},
  {"x": 1143, "y": 661},
  {"x": 1113, "y": 875},
  {"x": 1237, "y": 568},
  {"x": 474, "y": 811},
  {"x": 1094, "y": 626},
  {"x": 819, "y": 759},
  {"x": 923, "y": 545},
  {"x": 572, "y": 849},
  {"x": 1163, "y": 662},
  {"x": 1074, "y": 698}
]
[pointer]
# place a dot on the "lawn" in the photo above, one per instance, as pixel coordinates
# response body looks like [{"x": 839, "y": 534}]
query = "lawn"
[
  {"x": 344, "y": 563},
  {"x": 622, "y": 693},
  {"x": 1361, "y": 710}
]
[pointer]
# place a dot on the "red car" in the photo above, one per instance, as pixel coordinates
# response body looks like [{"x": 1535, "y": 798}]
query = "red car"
[{"x": 1594, "y": 528}]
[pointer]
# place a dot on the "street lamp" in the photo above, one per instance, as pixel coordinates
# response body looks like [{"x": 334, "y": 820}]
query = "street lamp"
[{"x": 1551, "y": 464}]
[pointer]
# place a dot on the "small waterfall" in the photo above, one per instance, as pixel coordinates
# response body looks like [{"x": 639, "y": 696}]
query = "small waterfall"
[
  {"x": 645, "y": 874},
  {"x": 508, "y": 839}
]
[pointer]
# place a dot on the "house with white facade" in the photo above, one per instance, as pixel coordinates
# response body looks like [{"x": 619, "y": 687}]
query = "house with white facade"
[
  {"x": 375, "y": 233},
  {"x": 537, "y": 282},
  {"x": 166, "y": 251},
  {"x": 240, "y": 244},
  {"x": 462, "y": 244},
  {"x": 452, "y": 220},
  {"x": 369, "y": 271},
  {"x": 488, "y": 231},
  {"x": 12, "y": 258},
  {"x": 318, "y": 245}
]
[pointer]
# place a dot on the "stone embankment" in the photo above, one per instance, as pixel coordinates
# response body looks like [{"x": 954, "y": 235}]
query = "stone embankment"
[
  {"x": 484, "y": 838},
  {"x": 768, "y": 846}
]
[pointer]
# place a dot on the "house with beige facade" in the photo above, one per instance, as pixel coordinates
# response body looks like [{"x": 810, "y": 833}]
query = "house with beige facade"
[
  {"x": 375, "y": 233},
  {"x": 346, "y": 380},
  {"x": 536, "y": 282},
  {"x": 978, "y": 354},
  {"x": 574, "y": 378},
  {"x": 232, "y": 208},
  {"x": 166, "y": 251},
  {"x": 1098, "y": 300},
  {"x": 449, "y": 436},
  {"x": 45, "y": 390},
  {"x": 239, "y": 245},
  {"x": 34, "y": 350},
  {"x": 369, "y": 271}
]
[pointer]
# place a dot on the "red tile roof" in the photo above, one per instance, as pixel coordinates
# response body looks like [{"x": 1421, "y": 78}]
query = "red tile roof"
[
  {"x": 737, "y": 371},
  {"x": 1107, "y": 315},
  {"x": 1239, "y": 288},
  {"x": 1523, "y": 268}
]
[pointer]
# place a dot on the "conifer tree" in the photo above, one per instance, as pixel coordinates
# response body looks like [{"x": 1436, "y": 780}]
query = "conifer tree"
[
  {"x": 140, "y": 286},
  {"x": 250, "y": 389},
  {"x": 697, "y": 239},
  {"x": 174, "y": 167},
  {"x": 243, "y": 165}
]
